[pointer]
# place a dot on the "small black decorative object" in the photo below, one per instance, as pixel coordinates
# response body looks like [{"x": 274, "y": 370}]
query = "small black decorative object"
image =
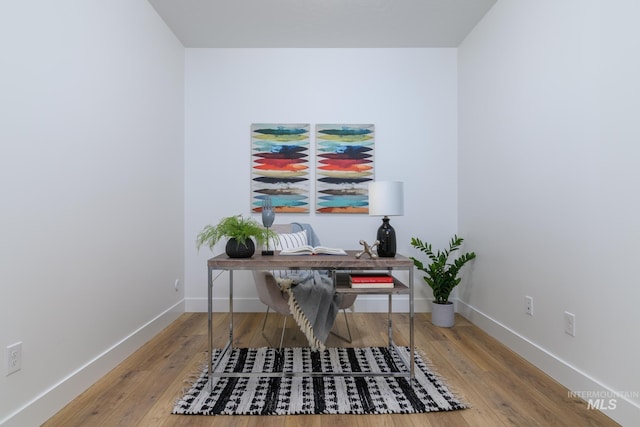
[{"x": 268, "y": 216}]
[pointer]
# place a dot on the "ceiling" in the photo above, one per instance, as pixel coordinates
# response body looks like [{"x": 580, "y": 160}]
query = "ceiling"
[{"x": 321, "y": 23}]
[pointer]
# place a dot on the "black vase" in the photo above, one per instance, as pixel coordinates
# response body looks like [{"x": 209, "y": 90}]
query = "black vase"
[
  {"x": 387, "y": 238},
  {"x": 236, "y": 249}
]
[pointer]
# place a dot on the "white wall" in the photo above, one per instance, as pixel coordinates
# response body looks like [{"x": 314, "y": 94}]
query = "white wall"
[
  {"x": 409, "y": 94},
  {"x": 548, "y": 198},
  {"x": 91, "y": 192}
]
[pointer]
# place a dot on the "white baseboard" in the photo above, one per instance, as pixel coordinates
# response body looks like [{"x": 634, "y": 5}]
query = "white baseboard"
[
  {"x": 363, "y": 304},
  {"x": 625, "y": 412},
  {"x": 50, "y": 401}
]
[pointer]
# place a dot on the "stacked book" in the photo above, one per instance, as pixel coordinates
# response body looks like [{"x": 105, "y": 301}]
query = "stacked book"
[{"x": 370, "y": 280}]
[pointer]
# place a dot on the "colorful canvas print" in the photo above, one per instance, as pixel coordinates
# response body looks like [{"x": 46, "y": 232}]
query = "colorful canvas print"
[
  {"x": 344, "y": 167},
  {"x": 280, "y": 166}
]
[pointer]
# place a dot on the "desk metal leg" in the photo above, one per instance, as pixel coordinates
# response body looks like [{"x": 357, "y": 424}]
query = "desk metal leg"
[
  {"x": 411, "y": 342},
  {"x": 209, "y": 324},
  {"x": 231, "y": 308},
  {"x": 390, "y": 321}
]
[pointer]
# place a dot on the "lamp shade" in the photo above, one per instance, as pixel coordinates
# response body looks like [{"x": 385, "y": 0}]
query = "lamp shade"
[{"x": 386, "y": 198}]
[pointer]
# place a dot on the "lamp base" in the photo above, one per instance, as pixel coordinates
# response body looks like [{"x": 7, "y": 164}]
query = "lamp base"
[{"x": 387, "y": 239}]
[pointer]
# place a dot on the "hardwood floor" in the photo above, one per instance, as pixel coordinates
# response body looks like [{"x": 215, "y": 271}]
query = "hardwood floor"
[{"x": 501, "y": 387}]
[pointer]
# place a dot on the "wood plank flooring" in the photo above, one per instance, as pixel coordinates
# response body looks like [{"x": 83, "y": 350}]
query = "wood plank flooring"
[{"x": 502, "y": 388}]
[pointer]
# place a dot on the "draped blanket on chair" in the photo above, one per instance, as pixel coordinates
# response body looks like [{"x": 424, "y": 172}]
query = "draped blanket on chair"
[
  {"x": 312, "y": 300},
  {"x": 313, "y": 304}
]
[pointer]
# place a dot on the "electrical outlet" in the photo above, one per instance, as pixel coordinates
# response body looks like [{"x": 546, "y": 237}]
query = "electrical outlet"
[
  {"x": 14, "y": 358},
  {"x": 176, "y": 285},
  {"x": 528, "y": 305},
  {"x": 570, "y": 323}
]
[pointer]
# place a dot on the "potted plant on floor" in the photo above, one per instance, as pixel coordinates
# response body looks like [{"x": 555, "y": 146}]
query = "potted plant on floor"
[
  {"x": 239, "y": 230},
  {"x": 442, "y": 277}
]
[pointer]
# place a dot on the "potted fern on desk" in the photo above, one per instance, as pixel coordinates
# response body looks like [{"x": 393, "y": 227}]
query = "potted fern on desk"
[
  {"x": 441, "y": 276},
  {"x": 239, "y": 231}
]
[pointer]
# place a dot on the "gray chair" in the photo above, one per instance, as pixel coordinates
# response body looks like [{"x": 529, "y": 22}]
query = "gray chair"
[{"x": 270, "y": 294}]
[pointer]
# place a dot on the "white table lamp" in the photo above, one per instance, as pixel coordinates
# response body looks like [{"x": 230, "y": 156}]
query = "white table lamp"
[{"x": 386, "y": 198}]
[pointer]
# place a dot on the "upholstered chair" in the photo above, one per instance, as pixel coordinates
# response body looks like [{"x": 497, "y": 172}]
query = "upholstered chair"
[{"x": 269, "y": 292}]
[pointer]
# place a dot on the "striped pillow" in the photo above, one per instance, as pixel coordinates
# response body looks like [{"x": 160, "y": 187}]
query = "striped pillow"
[{"x": 287, "y": 241}]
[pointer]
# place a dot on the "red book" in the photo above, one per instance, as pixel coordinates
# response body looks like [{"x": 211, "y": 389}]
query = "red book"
[{"x": 371, "y": 278}]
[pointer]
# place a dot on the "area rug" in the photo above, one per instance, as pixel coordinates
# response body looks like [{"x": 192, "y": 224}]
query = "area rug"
[{"x": 317, "y": 395}]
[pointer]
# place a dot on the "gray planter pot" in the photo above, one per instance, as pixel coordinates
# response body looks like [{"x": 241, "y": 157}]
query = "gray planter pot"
[{"x": 442, "y": 315}]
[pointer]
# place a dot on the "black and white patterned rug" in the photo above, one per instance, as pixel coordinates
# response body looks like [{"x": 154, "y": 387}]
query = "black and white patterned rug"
[{"x": 317, "y": 395}]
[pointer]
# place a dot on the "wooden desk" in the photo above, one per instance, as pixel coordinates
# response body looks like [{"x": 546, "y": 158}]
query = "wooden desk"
[{"x": 335, "y": 265}]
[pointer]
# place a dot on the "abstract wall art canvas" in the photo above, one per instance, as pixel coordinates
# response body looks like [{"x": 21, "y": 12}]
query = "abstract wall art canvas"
[
  {"x": 280, "y": 166},
  {"x": 344, "y": 167}
]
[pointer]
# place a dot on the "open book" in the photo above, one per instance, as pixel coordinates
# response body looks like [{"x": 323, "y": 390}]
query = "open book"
[{"x": 310, "y": 250}]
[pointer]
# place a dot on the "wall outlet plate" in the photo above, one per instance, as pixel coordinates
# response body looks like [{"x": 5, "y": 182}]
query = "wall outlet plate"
[
  {"x": 528, "y": 305},
  {"x": 570, "y": 323},
  {"x": 14, "y": 358}
]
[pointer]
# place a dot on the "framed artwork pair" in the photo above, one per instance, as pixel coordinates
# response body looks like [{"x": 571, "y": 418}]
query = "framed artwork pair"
[{"x": 282, "y": 163}]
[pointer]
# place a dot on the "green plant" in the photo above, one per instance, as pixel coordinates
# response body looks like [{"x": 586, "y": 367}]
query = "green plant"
[
  {"x": 233, "y": 227},
  {"x": 442, "y": 276}
]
